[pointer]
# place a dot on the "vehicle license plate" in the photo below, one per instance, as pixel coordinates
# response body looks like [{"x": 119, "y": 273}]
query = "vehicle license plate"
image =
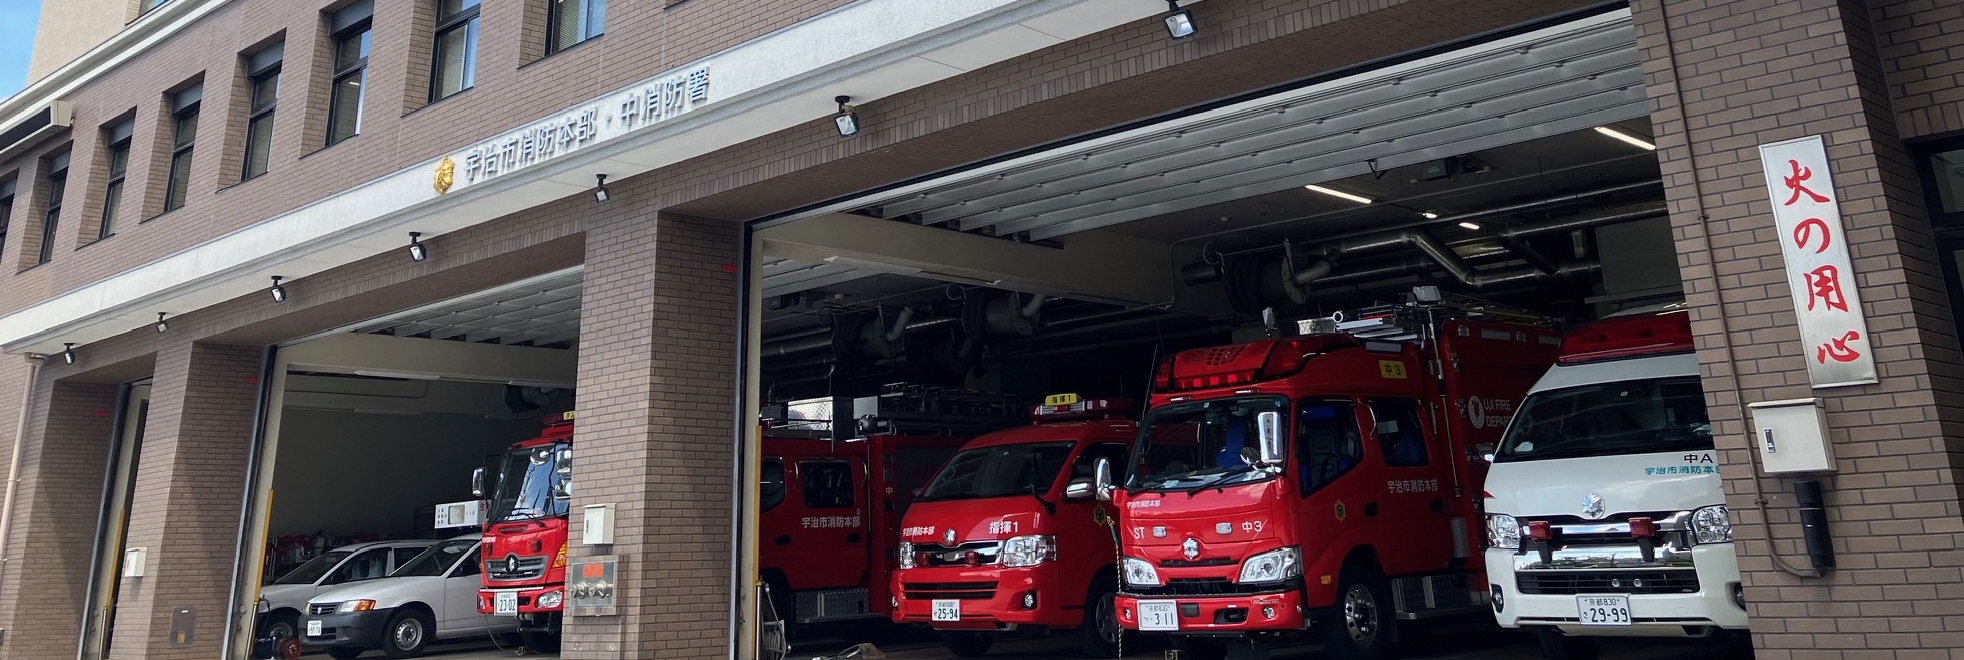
[
  {"x": 314, "y": 628},
  {"x": 1603, "y": 610},
  {"x": 946, "y": 610},
  {"x": 506, "y": 602},
  {"x": 1159, "y": 615}
]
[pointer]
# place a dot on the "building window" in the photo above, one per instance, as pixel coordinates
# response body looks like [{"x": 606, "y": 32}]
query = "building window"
[
  {"x": 51, "y": 222},
  {"x": 183, "y": 137},
  {"x": 350, "y": 73},
  {"x": 151, "y": 4},
  {"x": 455, "y": 66},
  {"x": 6, "y": 210},
  {"x": 117, "y": 155},
  {"x": 262, "y": 98},
  {"x": 570, "y": 22}
]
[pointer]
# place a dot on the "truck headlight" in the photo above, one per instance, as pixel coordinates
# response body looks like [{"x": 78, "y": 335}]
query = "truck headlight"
[
  {"x": 1140, "y": 573},
  {"x": 1712, "y": 524},
  {"x": 1272, "y": 566},
  {"x": 906, "y": 555},
  {"x": 352, "y": 606},
  {"x": 1503, "y": 531},
  {"x": 1023, "y": 551},
  {"x": 551, "y": 599}
]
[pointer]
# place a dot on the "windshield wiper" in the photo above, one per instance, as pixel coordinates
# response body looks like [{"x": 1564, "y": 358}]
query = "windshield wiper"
[
  {"x": 1036, "y": 489},
  {"x": 1217, "y": 481}
]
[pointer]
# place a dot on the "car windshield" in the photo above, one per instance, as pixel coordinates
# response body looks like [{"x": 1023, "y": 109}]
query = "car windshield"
[
  {"x": 1608, "y": 419},
  {"x": 1201, "y": 443},
  {"x": 525, "y": 483},
  {"x": 999, "y": 471},
  {"x": 436, "y": 560},
  {"x": 312, "y": 571}
]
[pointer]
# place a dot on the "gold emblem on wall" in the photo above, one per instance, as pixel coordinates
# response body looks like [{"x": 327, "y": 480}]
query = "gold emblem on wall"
[{"x": 446, "y": 174}]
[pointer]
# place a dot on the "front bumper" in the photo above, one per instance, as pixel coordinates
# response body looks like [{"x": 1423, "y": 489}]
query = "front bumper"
[
  {"x": 355, "y": 629},
  {"x": 1281, "y": 611},
  {"x": 1652, "y": 615},
  {"x": 995, "y": 607},
  {"x": 528, "y": 600}
]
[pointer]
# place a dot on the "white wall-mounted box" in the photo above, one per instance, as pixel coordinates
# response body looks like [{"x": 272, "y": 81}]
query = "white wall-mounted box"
[
  {"x": 597, "y": 527},
  {"x": 1791, "y": 436}
]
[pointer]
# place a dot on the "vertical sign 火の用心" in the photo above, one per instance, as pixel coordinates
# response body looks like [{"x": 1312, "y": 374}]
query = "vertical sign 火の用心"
[{"x": 1833, "y": 333}]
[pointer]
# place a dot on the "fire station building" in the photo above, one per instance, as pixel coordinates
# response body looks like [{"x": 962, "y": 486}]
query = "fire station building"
[{"x": 276, "y": 276}]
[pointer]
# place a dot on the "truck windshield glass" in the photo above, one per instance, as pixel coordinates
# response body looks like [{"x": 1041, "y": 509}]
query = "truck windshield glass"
[
  {"x": 435, "y": 560},
  {"x": 999, "y": 471},
  {"x": 1608, "y": 419},
  {"x": 311, "y": 571},
  {"x": 1202, "y": 442},
  {"x": 525, "y": 484}
]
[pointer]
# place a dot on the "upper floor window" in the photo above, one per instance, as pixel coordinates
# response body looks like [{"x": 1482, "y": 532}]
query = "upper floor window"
[
  {"x": 455, "y": 66},
  {"x": 57, "y": 182},
  {"x": 350, "y": 30},
  {"x": 148, "y": 5},
  {"x": 6, "y": 210},
  {"x": 183, "y": 140},
  {"x": 116, "y": 153},
  {"x": 570, "y": 22},
  {"x": 262, "y": 98}
]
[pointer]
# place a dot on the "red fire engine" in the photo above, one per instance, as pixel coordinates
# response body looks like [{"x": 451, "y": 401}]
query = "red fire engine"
[
  {"x": 1007, "y": 535},
  {"x": 1329, "y": 477},
  {"x": 832, "y": 496}
]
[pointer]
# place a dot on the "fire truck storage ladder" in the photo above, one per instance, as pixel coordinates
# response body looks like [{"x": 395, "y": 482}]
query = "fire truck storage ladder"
[{"x": 901, "y": 408}]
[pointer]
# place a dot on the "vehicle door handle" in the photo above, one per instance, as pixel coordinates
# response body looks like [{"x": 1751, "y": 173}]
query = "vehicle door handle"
[
  {"x": 852, "y": 538},
  {"x": 1370, "y": 509},
  {"x": 1438, "y": 505},
  {"x": 783, "y": 540}
]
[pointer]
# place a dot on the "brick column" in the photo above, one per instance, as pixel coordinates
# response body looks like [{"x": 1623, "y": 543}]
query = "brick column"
[
  {"x": 45, "y": 586},
  {"x": 1725, "y": 77},
  {"x": 185, "y": 509},
  {"x": 658, "y": 345}
]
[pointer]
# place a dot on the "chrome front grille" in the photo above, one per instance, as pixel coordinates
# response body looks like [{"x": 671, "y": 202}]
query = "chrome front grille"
[
  {"x": 320, "y": 609},
  {"x": 528, "y": 568},
  {"x": 1570, "y": 582}
]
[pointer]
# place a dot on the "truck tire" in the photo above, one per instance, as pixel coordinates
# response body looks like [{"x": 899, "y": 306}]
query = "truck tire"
[
  {"x": 968, "y": 644},
  {"x": 1362, "y": 629},
  {"x": 540, "y": 641},
  {"x": 407, "y": 633},
  {"x": 1200, "y": 648},
  {"x": 344, "y": 652},
  {"x": 1557, "y": 646},
  {"x": 1098, "y": 636}
]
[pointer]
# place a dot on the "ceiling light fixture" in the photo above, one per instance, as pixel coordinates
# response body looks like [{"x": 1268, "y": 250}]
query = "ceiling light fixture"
[
  {"x": 847, "y": 119},
  {"x": 68, "y": 353},
  {"x": 416, "y": 250},
  {"x": 279, "y": 292},
  {"x": 600, "y": 188},
  {"x": 1626, "y": 137},
  {"x": 1179, "y": 22},
  {"x": 1337, "y": 193},
  {"x": 1429, "y": 215},
  {"x": 162, "y": 327},
  {"x": 1469, "y": 225}
]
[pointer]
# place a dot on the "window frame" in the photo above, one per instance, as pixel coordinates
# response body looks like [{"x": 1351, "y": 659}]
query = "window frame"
[
  {"x": 1946, "y": 226},
  {"x": 361, "y": 32},
  {"x": 1390, "y": 410},
  {"x": 7, "y": 194},
  {"x": 112, "y": 188},
  {"x": 764, "y": 497},
  {"x": 57, "y": 182},
  {"x": 1350, "y": 411},
  {"x": 182, "y": 151},
  {"x": 807, "y": 492},
  {"x": 591, "y": 28},
  {"x": 465, "y": 19},
  {"x": 256, "y": 114}
]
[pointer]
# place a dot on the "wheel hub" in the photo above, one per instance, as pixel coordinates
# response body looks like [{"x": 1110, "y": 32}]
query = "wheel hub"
[
  {"x": 1360, "y": 615},
  {"x": 408, "y": 634}
]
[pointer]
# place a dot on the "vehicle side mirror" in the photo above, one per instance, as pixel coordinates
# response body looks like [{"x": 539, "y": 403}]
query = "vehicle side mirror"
[
  {"x": 1101, "y": 480},
  {"x": 1268, "y": 425},
  {"x": 477, "y": 483},
  {"x": 1079, "y": 489}
]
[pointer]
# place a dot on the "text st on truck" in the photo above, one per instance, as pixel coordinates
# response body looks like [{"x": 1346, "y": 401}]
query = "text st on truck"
[
  {"x": 1604, "y": 505},
  {"x": 1008, "y": 537},
  {"x": 1324, "y": 482},
  {"x": 524, "y": 547}
]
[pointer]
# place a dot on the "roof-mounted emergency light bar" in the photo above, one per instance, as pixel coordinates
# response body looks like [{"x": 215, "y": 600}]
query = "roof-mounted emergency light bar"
[
  {"x": 1238, "y": 365},
  {"x": 1617, "y": 338},
  {"x": 1066, "y": 407}
]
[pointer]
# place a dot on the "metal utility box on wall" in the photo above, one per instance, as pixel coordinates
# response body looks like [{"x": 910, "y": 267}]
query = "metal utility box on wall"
[
  {"x": 597, "y": 525},
  {"x": 1792, "y": 436},
  {"x": 591, "y": 586}
]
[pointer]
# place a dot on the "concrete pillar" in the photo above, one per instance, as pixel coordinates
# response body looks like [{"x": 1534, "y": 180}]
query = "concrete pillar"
[
  {"x": 45, "y": 586},
  {"x": 658, "y": 359},
  {"x": 1725, "y": 77},
  {"x": 185, "y": 509}
]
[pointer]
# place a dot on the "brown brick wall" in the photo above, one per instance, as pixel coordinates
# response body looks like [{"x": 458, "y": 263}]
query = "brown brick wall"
[
  {"x": 1919, "y": 41},
  {"x": 185, "y": 507},
  {"x": 1725, "y": 78},
  {"x": 60, "y": 494},
  {"x": 657, "y": 359}
]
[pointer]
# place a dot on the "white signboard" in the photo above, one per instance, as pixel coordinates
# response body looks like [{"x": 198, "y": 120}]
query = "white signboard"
[
  {"x": 1833, "y": 332},
  {"x": 457, "y": 514}
]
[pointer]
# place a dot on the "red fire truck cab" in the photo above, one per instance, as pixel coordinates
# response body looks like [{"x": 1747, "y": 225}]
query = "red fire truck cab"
[
  {"x": 1008, "y": 536},
  {"x": 1324, "y": 481},
  {"x": 524, "y": 546}
]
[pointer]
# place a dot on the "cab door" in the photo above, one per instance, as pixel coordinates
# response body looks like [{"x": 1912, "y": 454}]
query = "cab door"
[
  {"x": 1412, "y": 488},
  {"x": 1084, "y": 546},
  {"x": 458, "y": 613},
  {"x": 826, "y": 545}
]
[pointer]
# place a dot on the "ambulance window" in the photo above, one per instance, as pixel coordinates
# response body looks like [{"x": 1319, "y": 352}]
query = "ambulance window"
[
  {"x": 1327, "y": 441},
  {"x": 828, "y": 484},
  {"x": 1399, "y": 436},
  {"x": 773, "y": 484}
]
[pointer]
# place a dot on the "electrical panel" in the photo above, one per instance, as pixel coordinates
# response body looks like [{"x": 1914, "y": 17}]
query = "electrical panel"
[{"x": 1792, "y": 436}]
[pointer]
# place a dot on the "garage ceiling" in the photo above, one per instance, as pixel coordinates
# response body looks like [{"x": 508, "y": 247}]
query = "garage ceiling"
[{"x": 539, "y": 311}]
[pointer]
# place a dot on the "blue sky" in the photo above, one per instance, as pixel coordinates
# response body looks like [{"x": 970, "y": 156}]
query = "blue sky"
[{"x": 16, "y": 42}]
